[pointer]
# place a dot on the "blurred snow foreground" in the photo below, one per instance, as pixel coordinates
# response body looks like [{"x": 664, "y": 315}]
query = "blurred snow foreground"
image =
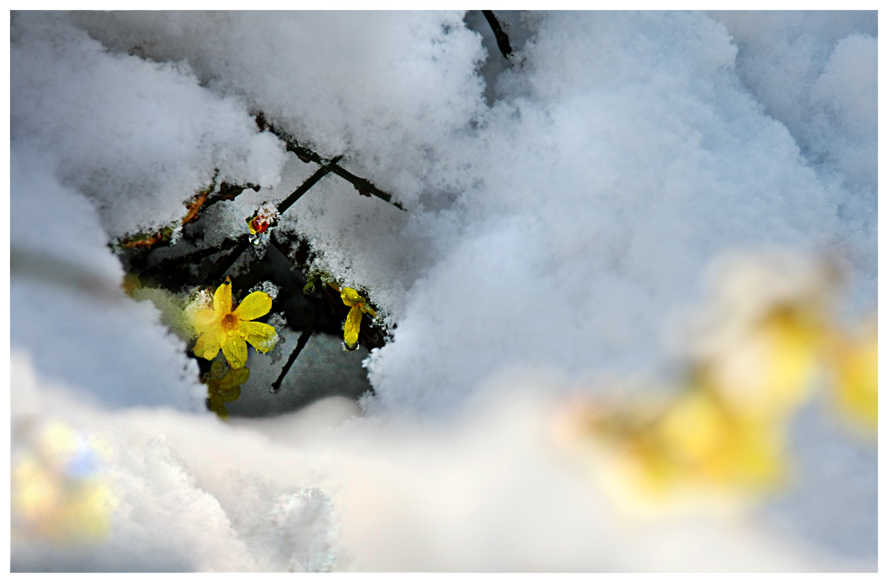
[{"x": 562, "y": 211}]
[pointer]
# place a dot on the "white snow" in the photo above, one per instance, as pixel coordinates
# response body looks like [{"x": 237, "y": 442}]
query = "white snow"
[
  {"x": 482, "y": 495},
  {"x": 69, "y": 311},
  {"x": 138, "y": 137},
  {"x": 561, "y": 229}
]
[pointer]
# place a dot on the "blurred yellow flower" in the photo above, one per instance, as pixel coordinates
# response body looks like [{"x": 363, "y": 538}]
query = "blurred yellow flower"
[
  {"x": 725, "y": 429},
  {"x": 711, "y": 443},
  {"x": 57, "y": 492},
  {"x": 854, "y": 364},
  {"x": 223, "y": 385},
  {"x": 220, "y": 327},
  {"x": 757, "y": 350},
  {"x": 688, "y": 442},
  {"x": 766, "y": 373}
]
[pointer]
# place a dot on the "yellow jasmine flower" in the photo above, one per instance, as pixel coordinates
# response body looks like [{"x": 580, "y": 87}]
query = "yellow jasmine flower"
[
  {"x": 854, "y": 364},
  {"x": 766, "y": 373},
  {"x": 669, "y": 458},
  {"x": 224, "y": 385},
  {"x": 708, "y": 442},
  {"x": 722, "y": 435},
  {"x": 359, "y": 307},
  {"x": 230, "y": 330},
  {"x": 691, "y": 441},
  {"x": 57, "y": 491}
]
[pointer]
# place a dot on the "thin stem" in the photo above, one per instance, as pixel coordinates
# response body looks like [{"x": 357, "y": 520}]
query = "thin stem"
[
  {"x": 502, "y": 39},
  {"x": 300, "y": 344},
  {"x": 363, "y": 186},
  {"x": 174, "y": 262},
  {"x": 303, "y": 188},
  {"x": 225, "y": 262},
  {"x": 195, "y": 207}
]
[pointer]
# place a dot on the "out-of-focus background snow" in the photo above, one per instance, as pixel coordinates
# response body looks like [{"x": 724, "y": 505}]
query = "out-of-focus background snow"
[{"x": 563, "y": 211}]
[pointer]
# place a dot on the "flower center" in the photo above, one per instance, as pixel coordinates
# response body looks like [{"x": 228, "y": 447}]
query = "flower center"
[{"x": 229, "y": 322}]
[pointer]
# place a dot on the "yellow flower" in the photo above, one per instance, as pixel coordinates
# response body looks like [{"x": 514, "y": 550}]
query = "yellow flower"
[
  {"x": 359, "y": 307},
  {"x": 224, "y": 386},
  {"x": 766, "y": 373},
  {"x": 220, "y": 327},
  {"x": 723, "y": 434},
  {"x": 710, "y": 443},
  {"x": 689, "y": 441},
  {"x": 58, "y": 491},
  {"x": 854, "y": 364}
]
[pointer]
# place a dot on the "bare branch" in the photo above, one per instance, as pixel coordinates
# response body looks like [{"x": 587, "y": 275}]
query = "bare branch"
[
  {"x": 363, "y": 186},
  {"x": 300, "y": 344},
  {"x": 502, "y": 39}
]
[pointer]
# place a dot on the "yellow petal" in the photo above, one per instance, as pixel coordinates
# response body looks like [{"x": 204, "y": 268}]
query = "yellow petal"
[
  {"x": 693, "y": 429},
  {"x": 220, "y": 335},
  {"x": 234, "y": 378},
  {"x": 353, "y": 325},
  {"x": 206, "y": 346},
  {"x": 235, "y": 351},
  {"x": 230, "y": 393},
  {"x": 262, "y": 336},
  {"x": 764, "y": 377},
  {"x": 217, "y": 370},
  {"x": 756, "y": 455},
  {"x": 856, "y": 371},
  {"x": 351, "y": 297},
  {"x": 222, "y": 299},
  {"x": 255, "y": 305},
  {"x": 790, "y": 336},
  {"x": 204, "y": 320},
  {"x": 217, "y": 406}
]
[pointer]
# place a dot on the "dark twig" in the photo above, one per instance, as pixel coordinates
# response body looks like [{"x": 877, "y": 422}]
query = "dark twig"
[
  {"x": 189, "y": 258},
  {"x": 225, "y": 262},
  {"x": 363, "y": 186},
  {"x": 226, "y": 191},
  {"x": 303, "y": 188},
  {"x": 212, "y": 195},
  {"x": 229, "y": 192},
  {"x": 175, "y": 262},
  {"x": 300, "y": 344},
  {"x": 502, "y": 39},
  {"x": 194, "y": 208}
]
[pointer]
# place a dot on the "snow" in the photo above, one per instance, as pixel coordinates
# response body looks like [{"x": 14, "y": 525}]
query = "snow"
[
  {"x": 193, "y": 494},
  {"x": 807, "y": 70},
  {"x": 562, "y": 215},
  {"x": 70, "y": 313},
  {"x": 126, "y": 130}
]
